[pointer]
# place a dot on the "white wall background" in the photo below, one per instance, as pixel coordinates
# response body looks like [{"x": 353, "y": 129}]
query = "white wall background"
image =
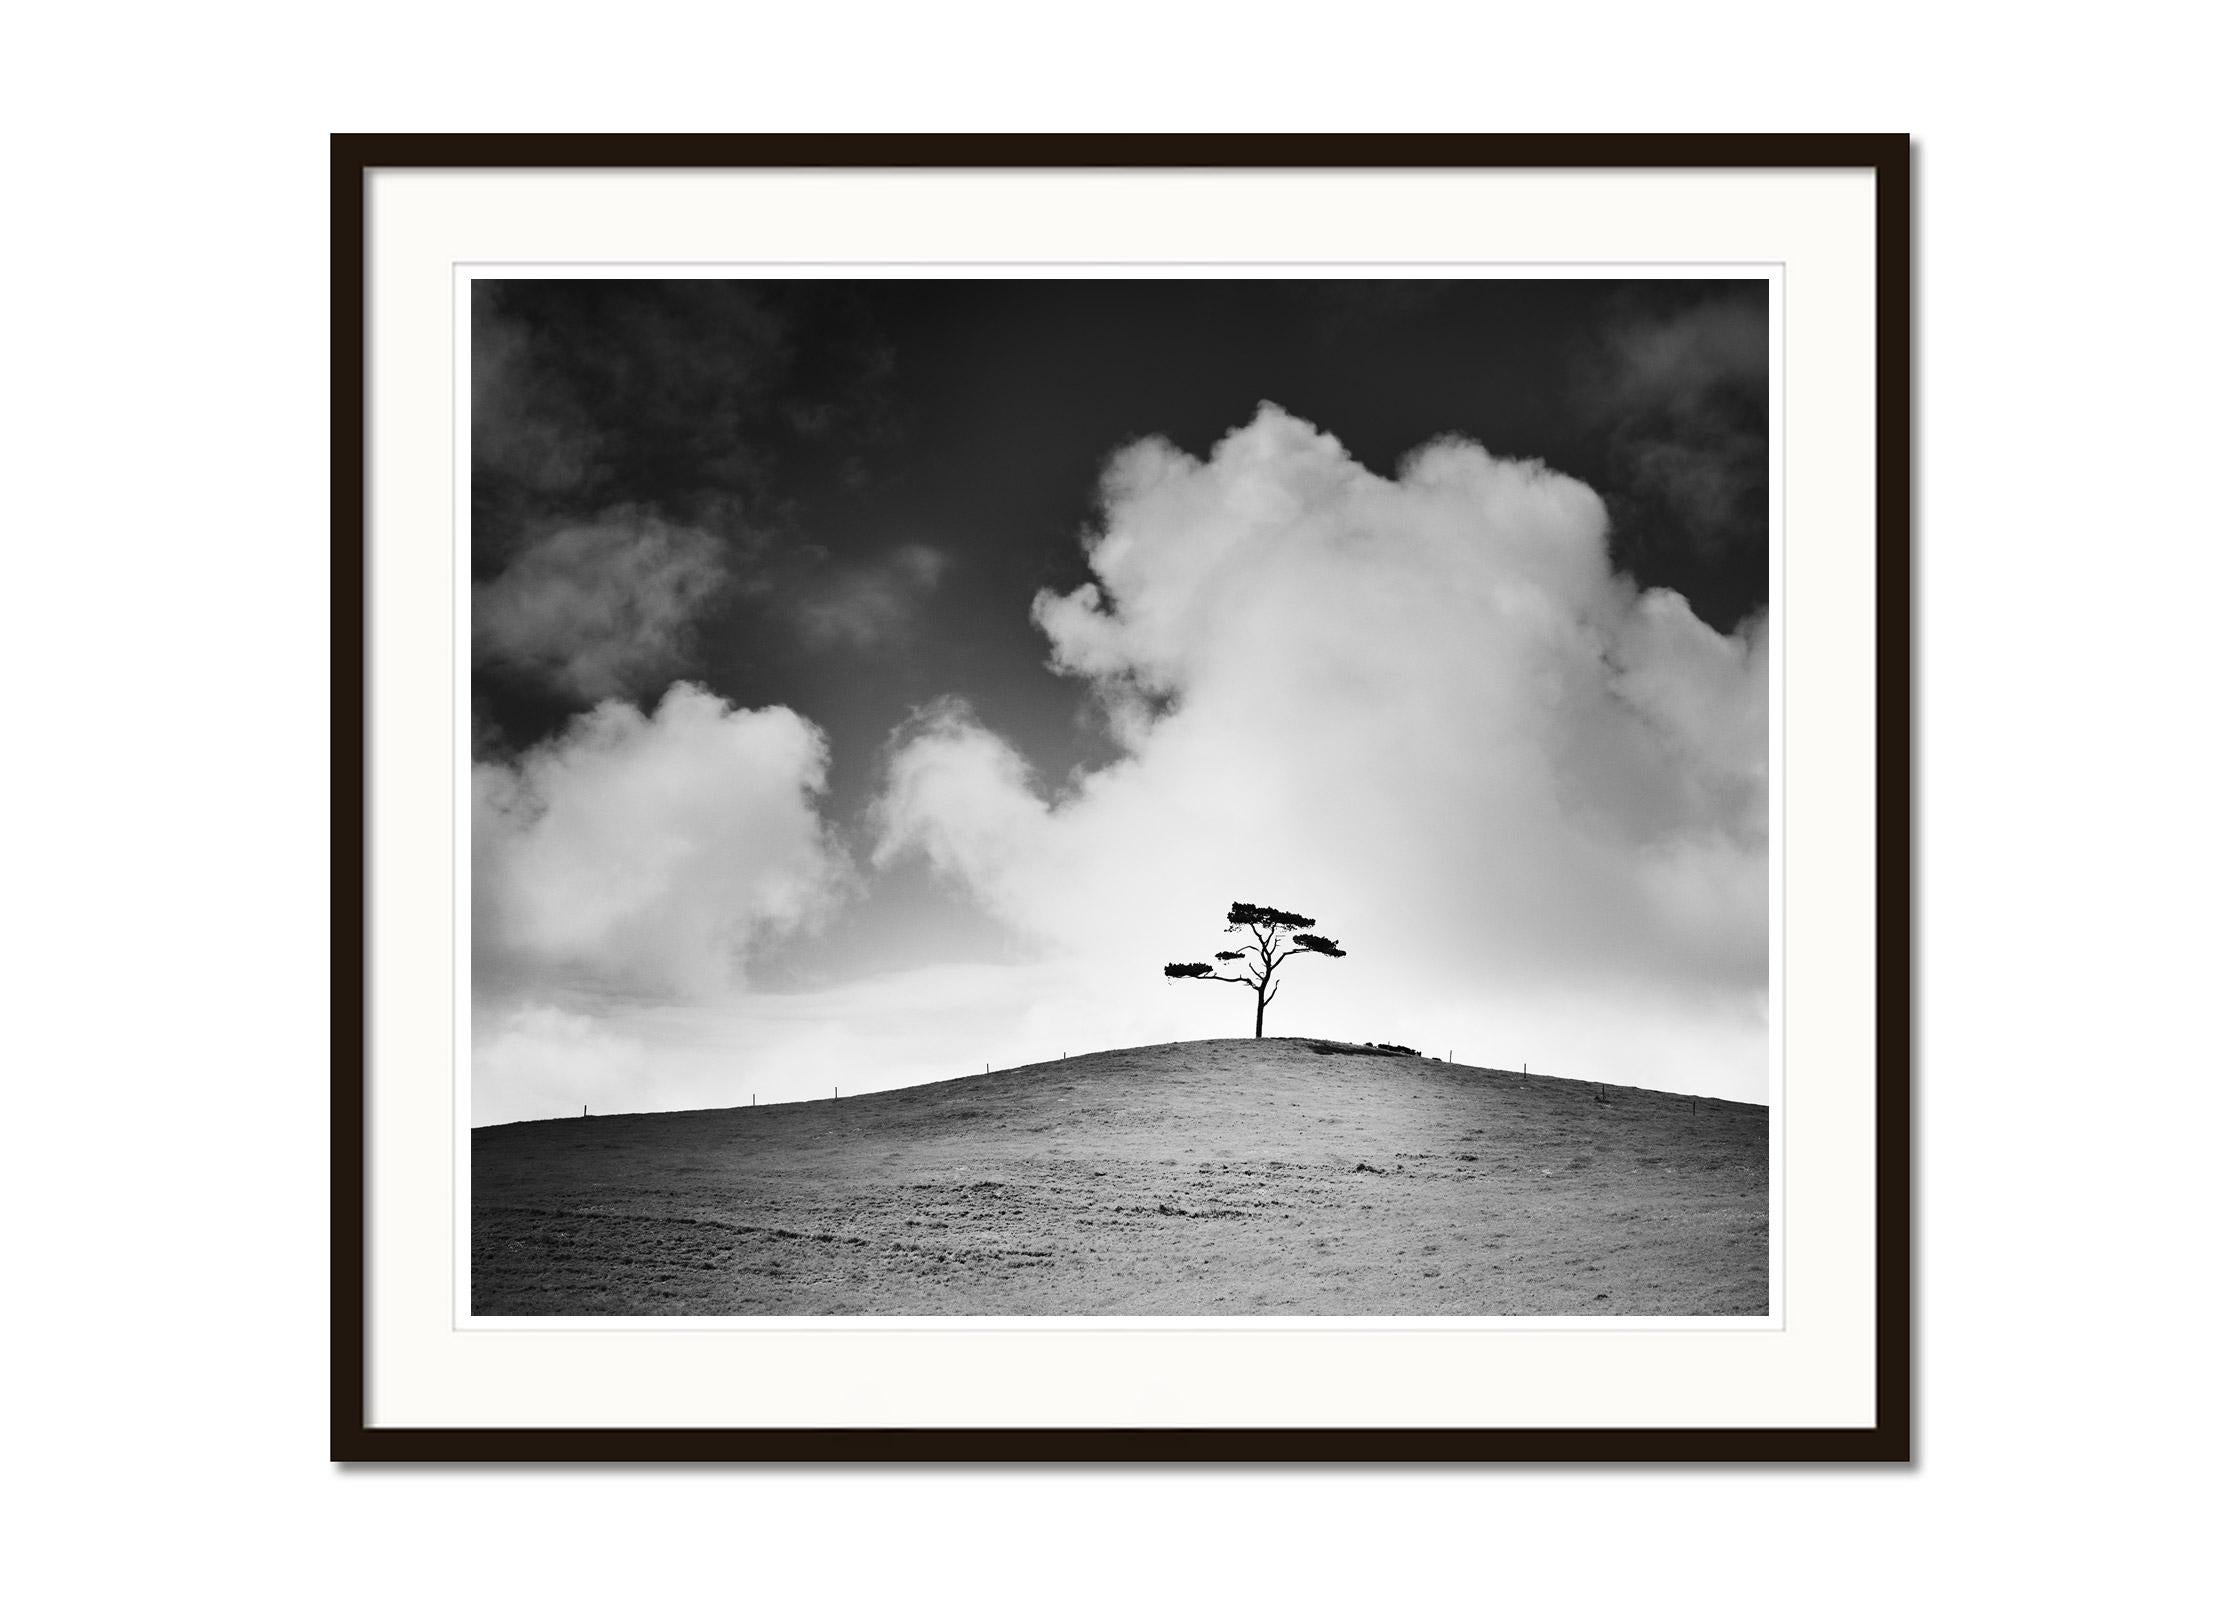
[{"x": 164, "y": 641}]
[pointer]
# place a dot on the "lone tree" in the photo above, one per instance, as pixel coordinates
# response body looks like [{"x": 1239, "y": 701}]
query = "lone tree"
[{"x": 1265, "y": 928}]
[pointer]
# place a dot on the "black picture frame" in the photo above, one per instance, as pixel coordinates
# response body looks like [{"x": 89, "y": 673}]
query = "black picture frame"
[{"x": 355, "y": 157}]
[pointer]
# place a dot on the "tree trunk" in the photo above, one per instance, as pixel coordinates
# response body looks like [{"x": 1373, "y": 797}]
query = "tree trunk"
[{"x": 1259, "y": 1013}]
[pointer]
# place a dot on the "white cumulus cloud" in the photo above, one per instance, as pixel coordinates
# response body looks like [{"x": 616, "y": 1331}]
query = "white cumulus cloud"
[
  {"x": 651, "y": 854},
  {"x": 1529, "y": 797}
]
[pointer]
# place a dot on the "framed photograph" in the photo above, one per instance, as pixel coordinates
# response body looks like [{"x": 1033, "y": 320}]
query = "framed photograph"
[{"x": 1121, "y": 798}]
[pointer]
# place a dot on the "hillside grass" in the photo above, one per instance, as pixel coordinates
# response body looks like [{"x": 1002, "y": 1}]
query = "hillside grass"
[{"x": 1221, "y": 1177}]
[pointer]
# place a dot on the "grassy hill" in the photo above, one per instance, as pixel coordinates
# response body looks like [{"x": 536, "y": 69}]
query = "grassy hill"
[{"x": 1220, "y": 1177}]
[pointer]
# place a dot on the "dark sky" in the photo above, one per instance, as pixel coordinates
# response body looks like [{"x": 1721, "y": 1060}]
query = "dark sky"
[{"x": 818, "y": 428}]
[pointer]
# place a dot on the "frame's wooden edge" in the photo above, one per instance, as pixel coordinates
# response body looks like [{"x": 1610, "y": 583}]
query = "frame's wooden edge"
[
  {"x": 1887, "y": 155},
  {"x": 1893, "y": 270},
  {"x": 347, "y": 550},
  {"x": 1880, "y": 151},
  {"x": 1132, "y": 1446}
]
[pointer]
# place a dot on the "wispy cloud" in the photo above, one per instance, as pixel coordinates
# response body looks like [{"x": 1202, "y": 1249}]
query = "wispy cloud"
[
  {"x": 1684, "y": 398},
  {"x": 638, "y": 448},
  {"x": 865, "y": 605},
  {"x": 602, "y": 606},
  {"x": 664, "y": 393},
  {"x": 525, "y": 431},
  {"x": 589, "y": 393}
]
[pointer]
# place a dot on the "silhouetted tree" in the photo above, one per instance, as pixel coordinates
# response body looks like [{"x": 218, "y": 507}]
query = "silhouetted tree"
[{"x": 1265, "y": 929}]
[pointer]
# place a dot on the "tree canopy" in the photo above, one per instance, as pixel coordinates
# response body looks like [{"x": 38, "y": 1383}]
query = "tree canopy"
[{"x": 1267, "y": 928}]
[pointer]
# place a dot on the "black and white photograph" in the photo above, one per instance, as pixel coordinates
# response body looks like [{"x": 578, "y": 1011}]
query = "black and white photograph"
[
  {"x": 1121, "y": 796},
  {"x": 1002, "y": 799}
]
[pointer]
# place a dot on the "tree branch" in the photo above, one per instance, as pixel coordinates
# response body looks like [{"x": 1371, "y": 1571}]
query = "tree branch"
[{"x": 1207, "y": 977}]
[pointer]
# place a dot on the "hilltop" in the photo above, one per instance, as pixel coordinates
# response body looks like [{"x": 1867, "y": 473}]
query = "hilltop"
[{"x": 1218, "y": 1177}]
